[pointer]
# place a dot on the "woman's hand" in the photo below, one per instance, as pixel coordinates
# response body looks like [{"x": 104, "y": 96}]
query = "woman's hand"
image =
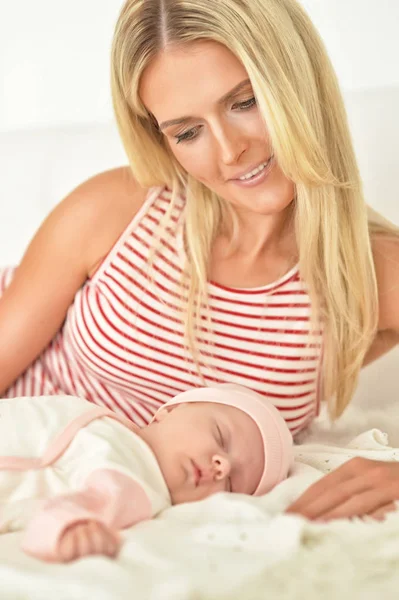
[
  {"x": 87, "y": 538},
  {"x": 358, "y": 488}
]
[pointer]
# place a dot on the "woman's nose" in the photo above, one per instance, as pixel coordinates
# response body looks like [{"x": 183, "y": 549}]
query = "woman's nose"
[
  {"x": 231, "y": 145},
  {"x": 221, "y": 466}
]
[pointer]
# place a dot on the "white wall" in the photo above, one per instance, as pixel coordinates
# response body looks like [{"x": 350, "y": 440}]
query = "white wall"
[
  {"x": 54, "y": 55},
  {"x": 362, "y": 39},
  {"x": 54, "y": 61}
]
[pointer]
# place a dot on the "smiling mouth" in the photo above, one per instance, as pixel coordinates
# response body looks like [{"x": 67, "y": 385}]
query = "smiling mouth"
[{"x": 252, "y": 174}]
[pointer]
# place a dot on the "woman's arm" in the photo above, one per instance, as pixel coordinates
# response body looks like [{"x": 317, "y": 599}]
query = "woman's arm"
[
  {"x": 69, "y": 245},
  {"x": 386, "y": 260},
  {"x": 362, "y": 486},
  {"x": 383, "y": 343}
]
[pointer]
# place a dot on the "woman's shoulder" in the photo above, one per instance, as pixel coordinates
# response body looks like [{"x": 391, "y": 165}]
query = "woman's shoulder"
[
  {"x": 112, "y": 197},
  {"x": 106, "y": 203}
]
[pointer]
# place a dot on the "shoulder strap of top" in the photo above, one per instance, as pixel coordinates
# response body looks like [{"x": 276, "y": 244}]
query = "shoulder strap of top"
[{"x": 151, "y": 197}]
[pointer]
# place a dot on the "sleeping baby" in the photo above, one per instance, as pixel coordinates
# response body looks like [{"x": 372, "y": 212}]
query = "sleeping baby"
[{"x": 73, "y": 474}]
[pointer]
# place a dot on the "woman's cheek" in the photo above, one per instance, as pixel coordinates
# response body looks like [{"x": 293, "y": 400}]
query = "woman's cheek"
[
  {"x": 200, "y": 170},
  {"x": 195, "y": 159}
]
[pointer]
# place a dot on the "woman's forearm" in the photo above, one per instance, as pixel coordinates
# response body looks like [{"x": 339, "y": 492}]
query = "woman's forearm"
[{"x": 383, "y": 343}]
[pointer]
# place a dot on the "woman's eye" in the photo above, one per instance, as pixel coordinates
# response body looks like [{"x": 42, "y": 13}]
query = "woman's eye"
[
  {"x": 247, "y": 104},
  {"x": 186, "y": 136},
  {"x": 191, "y": 134}
]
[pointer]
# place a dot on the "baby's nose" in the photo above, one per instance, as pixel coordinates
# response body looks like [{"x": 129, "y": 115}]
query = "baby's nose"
[{"x": 221, "y": 466}]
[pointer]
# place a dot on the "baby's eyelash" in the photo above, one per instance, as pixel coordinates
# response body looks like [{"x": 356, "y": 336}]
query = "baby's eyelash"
[
  {"x": 186, "y": 136},
  {"x": 221, "y": 440}
]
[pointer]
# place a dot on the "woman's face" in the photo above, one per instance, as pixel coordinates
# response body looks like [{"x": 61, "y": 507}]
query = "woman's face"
[{"x": 215, "y": 138}]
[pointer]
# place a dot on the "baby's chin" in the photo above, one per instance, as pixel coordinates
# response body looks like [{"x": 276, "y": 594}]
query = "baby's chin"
[
  {"x": 181, "y": 497},
  {"x": 184, "y": 496}
]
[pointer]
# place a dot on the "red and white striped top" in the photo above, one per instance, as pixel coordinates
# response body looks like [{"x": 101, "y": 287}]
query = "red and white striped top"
[{"x": 122, "y": 343}]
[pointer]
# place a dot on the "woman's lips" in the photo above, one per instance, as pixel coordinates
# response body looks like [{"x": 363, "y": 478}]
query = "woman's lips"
[{"x": 257, "y": 179}]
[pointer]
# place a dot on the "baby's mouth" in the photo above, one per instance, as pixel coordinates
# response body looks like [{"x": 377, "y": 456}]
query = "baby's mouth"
[{"x": 197, "y": 473}]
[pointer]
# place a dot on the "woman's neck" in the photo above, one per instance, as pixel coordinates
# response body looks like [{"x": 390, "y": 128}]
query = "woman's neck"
[
  {"x": 256, "y": 236},
  {"x": 263, "y": 250}
]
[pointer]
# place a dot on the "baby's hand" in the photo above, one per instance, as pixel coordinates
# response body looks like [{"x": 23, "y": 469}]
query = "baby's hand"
[{"x": 85, "y": 539}]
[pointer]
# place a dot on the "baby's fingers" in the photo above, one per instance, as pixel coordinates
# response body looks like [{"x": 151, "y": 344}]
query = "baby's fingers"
[
  {"x": 102, "y": 540},
  {"x": 85, "y": 539},
  {"x": 68, "y": 544}
]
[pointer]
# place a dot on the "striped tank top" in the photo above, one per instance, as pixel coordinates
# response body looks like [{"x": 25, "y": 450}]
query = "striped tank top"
[{"x": 122, "y": 342}]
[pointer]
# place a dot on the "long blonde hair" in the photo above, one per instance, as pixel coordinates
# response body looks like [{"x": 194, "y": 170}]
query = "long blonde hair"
[{"x": 300, "y": 101}]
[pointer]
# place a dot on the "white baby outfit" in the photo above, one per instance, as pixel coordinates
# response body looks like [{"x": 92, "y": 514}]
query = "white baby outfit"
[{"x": 63, "y": 460}]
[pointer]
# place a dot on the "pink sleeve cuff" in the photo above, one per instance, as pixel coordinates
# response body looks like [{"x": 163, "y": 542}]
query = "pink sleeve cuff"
[
  {"x": 111, "y": 498},
  {"x": 44, "y": 532}
]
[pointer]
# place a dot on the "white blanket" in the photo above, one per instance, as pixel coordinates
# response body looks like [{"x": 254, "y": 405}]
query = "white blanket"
[{"x": 235, "y": 547}]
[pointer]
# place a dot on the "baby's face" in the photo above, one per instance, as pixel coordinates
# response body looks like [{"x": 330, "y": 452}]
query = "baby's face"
[{"x": 204, "y": 448}]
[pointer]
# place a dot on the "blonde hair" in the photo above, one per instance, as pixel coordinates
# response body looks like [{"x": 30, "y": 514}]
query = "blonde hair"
[{"x": 300, "y": 101}]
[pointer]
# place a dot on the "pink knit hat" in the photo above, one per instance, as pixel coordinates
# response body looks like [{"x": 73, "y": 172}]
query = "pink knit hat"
[{"x": 277, "y": 439}]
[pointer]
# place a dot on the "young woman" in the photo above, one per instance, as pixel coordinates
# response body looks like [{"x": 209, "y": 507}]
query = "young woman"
[{"x": 236, "y": 247}]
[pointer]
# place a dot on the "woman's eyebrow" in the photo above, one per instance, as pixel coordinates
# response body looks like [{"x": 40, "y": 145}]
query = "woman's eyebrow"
[{"x": 221, "y": 100}]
